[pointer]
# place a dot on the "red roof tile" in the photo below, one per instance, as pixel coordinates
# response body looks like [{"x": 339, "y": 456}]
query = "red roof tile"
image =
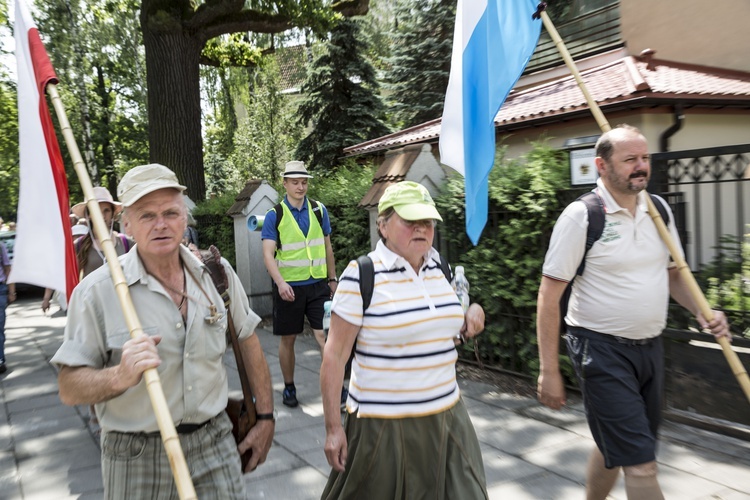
[{"x": 630, "y": 81}]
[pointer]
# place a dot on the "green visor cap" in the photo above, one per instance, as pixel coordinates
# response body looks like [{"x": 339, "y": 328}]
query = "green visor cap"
[{"x": 410, "y": 200}]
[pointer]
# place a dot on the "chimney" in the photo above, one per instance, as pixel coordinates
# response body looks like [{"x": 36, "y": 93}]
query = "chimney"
[{"x": 647, "y": 57}]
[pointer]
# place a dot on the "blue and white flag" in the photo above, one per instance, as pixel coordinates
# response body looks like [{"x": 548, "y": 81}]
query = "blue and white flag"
[{"x": 492, "y": 43}]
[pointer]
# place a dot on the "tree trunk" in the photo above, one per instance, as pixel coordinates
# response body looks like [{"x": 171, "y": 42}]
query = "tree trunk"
[{"x": 174, "y": 108}]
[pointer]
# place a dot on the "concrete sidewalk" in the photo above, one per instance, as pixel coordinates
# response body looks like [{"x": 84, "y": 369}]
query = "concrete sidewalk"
[{"x": 48, "y": 451}]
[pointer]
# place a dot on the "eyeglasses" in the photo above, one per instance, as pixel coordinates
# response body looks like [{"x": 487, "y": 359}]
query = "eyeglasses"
[{"x": 425, "y": 223}]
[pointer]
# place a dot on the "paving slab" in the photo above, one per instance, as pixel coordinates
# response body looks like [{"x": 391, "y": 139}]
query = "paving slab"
[{"x": 50, "y": 451}]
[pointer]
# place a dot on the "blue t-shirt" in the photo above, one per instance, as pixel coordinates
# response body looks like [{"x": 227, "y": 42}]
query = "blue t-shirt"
[{"x": 302, "y": 216}]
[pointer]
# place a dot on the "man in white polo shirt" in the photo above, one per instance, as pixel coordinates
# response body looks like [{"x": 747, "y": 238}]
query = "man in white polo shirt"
[{"x": 616, "y": 313}]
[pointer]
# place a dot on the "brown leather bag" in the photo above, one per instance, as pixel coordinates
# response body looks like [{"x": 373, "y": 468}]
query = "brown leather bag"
[{"x": 241, "y": 411}]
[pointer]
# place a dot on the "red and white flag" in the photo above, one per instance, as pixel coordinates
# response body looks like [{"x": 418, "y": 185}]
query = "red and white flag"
[{"x": 43, "y": 253}]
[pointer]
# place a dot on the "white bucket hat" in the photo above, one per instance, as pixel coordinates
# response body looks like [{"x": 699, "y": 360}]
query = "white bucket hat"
[
  {"x": 295, "y": 169},
  {"x": 145, "y": 179}
]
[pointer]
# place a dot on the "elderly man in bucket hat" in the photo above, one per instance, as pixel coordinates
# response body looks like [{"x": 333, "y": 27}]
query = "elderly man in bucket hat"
[
  {"x": 298, "y": 254},
  {"x": 184, "y": 321}
]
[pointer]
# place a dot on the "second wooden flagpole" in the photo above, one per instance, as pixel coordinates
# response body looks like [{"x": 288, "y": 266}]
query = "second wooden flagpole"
[
  {"x": 734, "y": 361},
  {"x": 177, "y": 462}
]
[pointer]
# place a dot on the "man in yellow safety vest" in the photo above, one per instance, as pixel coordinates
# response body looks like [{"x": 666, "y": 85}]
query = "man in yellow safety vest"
[{"x": 298, "y": 255}]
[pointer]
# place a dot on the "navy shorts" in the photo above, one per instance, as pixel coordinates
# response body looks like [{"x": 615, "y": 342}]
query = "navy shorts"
[
  {"x": 289, "y": 317},
  {"x": 622, "y": 384}
]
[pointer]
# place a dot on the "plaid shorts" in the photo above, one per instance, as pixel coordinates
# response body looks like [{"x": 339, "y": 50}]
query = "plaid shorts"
[{"x": 135, "y": 465}]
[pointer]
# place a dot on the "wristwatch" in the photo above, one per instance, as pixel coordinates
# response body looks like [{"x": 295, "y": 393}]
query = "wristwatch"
[
  {"x": 332, "y": 280},
  {"x": 265, "y": 416}
]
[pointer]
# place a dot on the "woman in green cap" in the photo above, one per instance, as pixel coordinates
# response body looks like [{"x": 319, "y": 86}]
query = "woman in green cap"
[{"x": 406, "y": 433}]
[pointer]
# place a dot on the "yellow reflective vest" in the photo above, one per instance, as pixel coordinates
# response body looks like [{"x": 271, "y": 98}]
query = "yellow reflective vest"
[{"x": 300, "y": 257}]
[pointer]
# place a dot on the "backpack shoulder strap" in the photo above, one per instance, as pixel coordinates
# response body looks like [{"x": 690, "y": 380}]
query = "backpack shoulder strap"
[
  {"x": 317, "y": 210},
  {"x": 446, "y": 268},
  {"x": 211, "y": 258},
  {"x": 657, "y": 200},
  {"x": 595, "y": 209},
  {"x": 125, "y": 242},
  {"x": 279, "y": 214},
  {"x": 366, "y": 280}
]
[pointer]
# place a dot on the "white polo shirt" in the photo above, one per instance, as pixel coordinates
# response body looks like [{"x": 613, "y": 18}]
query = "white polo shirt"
[{"x": 624, "y": 289}]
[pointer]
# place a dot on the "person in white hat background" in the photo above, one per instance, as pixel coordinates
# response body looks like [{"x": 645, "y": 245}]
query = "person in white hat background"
[
  {"x": 77, "y": 230},
  {"x": 184, "y": 320},
  {"x": 298, "y": 255},
  {"x": 88, "y": 251}
]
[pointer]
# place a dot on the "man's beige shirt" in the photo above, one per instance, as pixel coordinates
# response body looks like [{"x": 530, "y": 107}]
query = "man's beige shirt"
[{"x": 192, "y": 372}]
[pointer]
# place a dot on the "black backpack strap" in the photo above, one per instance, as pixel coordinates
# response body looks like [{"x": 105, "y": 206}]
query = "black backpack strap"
[
  {"x": 595, "y": 209},
  {"x": 317, "y": 210},
  {"x": 366, "y": 280},
  {"x": 657, "y": 200},
  {"x": 446, "y": 268},
  {"x": 279, "y": 214}
]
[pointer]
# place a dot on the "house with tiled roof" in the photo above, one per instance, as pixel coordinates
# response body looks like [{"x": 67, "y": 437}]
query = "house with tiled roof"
[{"x": 677, "y": 72}]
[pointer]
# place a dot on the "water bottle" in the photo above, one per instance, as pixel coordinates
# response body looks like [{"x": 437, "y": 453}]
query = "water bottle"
[
  {"x": 327, "y": 315},
  {"x": 461, "y": 286}
]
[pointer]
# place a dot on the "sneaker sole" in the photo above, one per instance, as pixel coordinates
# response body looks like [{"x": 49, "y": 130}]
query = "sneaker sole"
[{"x": 291, "y": 404}]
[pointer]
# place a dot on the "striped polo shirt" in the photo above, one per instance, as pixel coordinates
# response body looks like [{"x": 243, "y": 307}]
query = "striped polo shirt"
[{"x": 405, "y": 358}]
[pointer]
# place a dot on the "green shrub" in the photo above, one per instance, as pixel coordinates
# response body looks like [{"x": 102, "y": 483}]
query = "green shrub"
[
  {"x": 340, "y": 191},
  {"x": 504, "y": 269},
  {"x": 214, "y": 226}
]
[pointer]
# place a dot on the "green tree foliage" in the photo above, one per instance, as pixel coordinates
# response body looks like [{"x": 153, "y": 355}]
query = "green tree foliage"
[
  {"x": 8, "y": 149},
  {"x": 417, "y": 74},
  {"x": 8, "y": 128},
  {"x": 214, "y": 226},
  {"x": 266, "y": 136},
  {"x": 342, "y": 102},
  {"x": 377, "y": 25},
  {"x": 175, "y": 37},
  {"x": 96, "y": 50},
  {"x": 340, "y": 192},
  {"x": 505, "y": 268}
]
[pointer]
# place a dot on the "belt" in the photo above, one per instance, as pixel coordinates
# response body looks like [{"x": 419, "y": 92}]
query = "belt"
[
  {"x": 188, "y": 428},
  {"x": 591, "y": 334},
  {"x": 184, "y": 428}
]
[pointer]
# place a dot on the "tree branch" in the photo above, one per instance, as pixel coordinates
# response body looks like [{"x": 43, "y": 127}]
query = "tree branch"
[
  {"x": 208, "y": 61},
  {"x": 246, "y": 20},
  {"x": 212, "y": 10},
  {"x": 350, "y": 8}
]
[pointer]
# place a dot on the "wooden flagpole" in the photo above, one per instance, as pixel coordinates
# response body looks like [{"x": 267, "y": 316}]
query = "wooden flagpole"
[
  {"x": 734, "y": 361},
  {"x": 169, "y": 437}
]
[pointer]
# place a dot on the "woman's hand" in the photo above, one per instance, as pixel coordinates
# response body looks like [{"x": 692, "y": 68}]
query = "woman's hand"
[{"x": 473, "y": 321}]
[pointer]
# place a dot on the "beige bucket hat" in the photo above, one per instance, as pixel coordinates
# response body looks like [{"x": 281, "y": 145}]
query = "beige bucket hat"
[{"x": 145, "y": 179}]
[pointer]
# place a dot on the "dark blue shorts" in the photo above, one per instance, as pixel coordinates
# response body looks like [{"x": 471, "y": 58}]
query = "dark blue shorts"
[
  {"x": 622, "y": 385},
  {"x": 289, "y": 317}
]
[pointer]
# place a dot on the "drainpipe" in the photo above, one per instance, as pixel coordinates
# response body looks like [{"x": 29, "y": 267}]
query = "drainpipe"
[
  {"x": 679, "y": 118},
  {"x": 658, "y": 183}
]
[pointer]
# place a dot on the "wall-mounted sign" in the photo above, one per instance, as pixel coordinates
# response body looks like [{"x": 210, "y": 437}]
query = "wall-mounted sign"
[{"x": 582, "y": 167}]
